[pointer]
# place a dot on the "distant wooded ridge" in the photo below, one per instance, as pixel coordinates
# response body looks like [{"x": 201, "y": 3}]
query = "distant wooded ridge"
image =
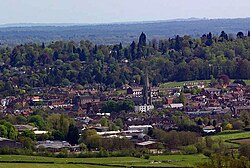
[{"x": 13, "y": 34}]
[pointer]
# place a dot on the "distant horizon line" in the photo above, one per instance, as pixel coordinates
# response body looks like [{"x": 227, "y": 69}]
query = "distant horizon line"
[{"x": 34, "y": 24}]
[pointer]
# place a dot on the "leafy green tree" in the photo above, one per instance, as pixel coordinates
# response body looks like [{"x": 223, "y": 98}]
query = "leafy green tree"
[
  {"x": 83, "y": 147},
  {"x": 245, "y": 117},
  {"x": 113, "y": 126},
  {"x": 11, "y": 130},
  {"x": 191, "y": 149},
  {"x": 218, "y": 161},
  {"x": 93, "y": 141},
  {"x": 60, "y": 123},
  {"x": 27, "y": 142},
  {"x": 38, "y": 121},
  {"x": 58, "y": 135},
  {"x": 116, "y": 144},
  {"x": 127, "y": 105},
  {"x": 181, "y": 99},
  {"x": 12, "y": 133},
  {"x": 3, "y": 131},
  {"x": 109, "y": 106},
  {"x": 104, "y": 122},
  {"x": 21, "y": 120},
  {"x": 119, "y": 123},
  {"x": 29, "y": 134}
]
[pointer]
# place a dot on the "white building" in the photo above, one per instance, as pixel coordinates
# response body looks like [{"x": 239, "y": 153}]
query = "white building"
[
  {"x": 144, "y": 108},
  {"x": 144, "y": 128},
  {"x": 176, "y": 105}
]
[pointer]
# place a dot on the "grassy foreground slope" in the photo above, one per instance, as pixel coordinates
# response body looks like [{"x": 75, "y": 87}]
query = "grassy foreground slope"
[
  {"x": 27, "y": 165},
  {"x": 19, "y": 161}
]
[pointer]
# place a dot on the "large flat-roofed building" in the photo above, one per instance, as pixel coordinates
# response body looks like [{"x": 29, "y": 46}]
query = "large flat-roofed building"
[
  {"x": 56, "y": 146},
  {"x": 8, "y": 143},
  {"x": 144, "y": 128}
]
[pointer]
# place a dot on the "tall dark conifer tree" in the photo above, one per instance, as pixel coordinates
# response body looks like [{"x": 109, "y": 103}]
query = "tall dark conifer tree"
[{"x": 143, "y": 39}]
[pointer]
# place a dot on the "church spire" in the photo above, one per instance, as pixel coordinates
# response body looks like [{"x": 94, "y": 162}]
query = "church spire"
[{"x": 147, "y": 97}]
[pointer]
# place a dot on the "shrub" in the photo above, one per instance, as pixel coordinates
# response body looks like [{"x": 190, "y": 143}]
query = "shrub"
[
  {"x": 191, "y": 149},
  {"x": 244, "y": 150},
  {"x": 207, "y": 152},
  {"x": 146, "y": 156}
]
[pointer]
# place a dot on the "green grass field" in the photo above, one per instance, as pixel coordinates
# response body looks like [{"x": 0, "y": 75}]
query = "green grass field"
[
  {"x": 154, "y": 161},
  {"x": 234, "y": 135},
  {"x": 230, "y": 137},
  {"x": 181, "y": 160},
  {"x": 28, "y": 165},
  {"x": 180, "y": 84}
]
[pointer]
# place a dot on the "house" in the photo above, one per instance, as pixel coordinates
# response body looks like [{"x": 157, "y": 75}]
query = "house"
[
  {"x": 212, "y": 91},
  {"x": 169, "y": 91},
  {"x": 194, "y": 84},
  {"x": 140, "y": 137},
  {"x": 52, "y": 102},
  {"x": 155, "y": 91},
  {"x": 8, "y": 143},
  {"x": 108, "y": 134},
  {"x": 169, "y": 100},
  {"x": 175, "y": 106},
  {"x": 238, "y": 109},
  {"x": 151, "y": 145},
  {"x": 135, "y": 91},
  {"x": 146, "y": 143},
  {"x": 21, "y": 128},
  {"x": 209, "y": 129},
  {"x": 235, "y": 87}
]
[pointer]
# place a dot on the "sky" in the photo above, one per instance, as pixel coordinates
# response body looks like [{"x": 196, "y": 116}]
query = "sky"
[{"x": 109, "y": 11}]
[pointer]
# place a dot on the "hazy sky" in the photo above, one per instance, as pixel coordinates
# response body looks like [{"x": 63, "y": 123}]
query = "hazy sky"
[{"x": 106, "y": 11}]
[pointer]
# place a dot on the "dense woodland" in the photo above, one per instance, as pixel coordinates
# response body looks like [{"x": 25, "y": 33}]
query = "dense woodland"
[
  {"x": 12, "y": 34},
  {"x": 174, "y": 59}
]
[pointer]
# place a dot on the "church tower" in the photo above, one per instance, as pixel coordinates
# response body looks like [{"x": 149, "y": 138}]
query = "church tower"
[{"x": 147, "y": 96}]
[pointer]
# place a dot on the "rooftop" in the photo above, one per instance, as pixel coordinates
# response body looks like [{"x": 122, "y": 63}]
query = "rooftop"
[{"x": 146, "y": 143}]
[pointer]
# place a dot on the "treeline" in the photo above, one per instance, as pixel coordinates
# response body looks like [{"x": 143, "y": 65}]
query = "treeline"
[
  {"x": 174, "y": 59},
  {"x": 59, "y": 127}
]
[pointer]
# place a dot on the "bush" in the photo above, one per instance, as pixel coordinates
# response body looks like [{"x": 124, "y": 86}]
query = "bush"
[
  {"x": 244, "y": 150},
  {"x": 87, "y": 155},
  {"x": 146, "y": 156},
  {"x": 103, "y": 153},
  {"x": 237, "y": 125},
  {"x": 191, "y": 149},
  {"x": 201, "y": 145},
  {"x": 207, "y": 152},
  {"x": 14, "y": 151},
  {"x": 63, "y": 154}
]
